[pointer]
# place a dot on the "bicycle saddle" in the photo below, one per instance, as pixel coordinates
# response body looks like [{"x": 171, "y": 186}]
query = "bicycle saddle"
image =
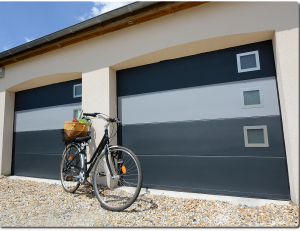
[{"x": 82, "y": 139}]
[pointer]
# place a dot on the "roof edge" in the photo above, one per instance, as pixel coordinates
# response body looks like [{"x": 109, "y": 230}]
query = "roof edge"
[{"x": 120, "y": 18}]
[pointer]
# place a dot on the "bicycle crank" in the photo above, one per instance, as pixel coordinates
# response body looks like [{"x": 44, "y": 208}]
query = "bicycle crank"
[{"x": 82, "y": 177}]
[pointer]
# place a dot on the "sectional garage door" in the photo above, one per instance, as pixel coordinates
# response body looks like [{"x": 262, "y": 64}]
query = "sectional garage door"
[
  {"x": 207, "y": 123},
  {"x": 40, "y": 113}
]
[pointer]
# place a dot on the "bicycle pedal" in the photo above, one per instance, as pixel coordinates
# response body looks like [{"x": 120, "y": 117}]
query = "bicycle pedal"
[{"x": 120, "y": 161}]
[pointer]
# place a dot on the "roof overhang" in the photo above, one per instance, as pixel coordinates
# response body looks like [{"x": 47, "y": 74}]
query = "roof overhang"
[{"x": 123, "y": 17}]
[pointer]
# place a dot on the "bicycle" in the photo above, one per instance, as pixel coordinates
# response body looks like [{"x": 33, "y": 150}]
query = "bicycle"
[{"x": 115, "y": 171}]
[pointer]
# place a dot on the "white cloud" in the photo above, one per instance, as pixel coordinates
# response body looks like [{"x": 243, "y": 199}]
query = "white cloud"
[
  {"x": 95, "y": 11},
  {"x": 101, "y": 8},
  {"x": 108, "y": 6},
  {"x": 81, "y": 18},
  {"x": 98, "y": 3},
  {"x": 6, "y": 48},
  {"x": 28, "y": 39}
]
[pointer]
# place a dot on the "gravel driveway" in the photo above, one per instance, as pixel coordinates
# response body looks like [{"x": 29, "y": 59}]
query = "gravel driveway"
[{"x": 33, "y": 204}]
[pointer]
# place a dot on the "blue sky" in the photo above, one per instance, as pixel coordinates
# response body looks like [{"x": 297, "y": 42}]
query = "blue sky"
[{"x": 21, "y": 22}]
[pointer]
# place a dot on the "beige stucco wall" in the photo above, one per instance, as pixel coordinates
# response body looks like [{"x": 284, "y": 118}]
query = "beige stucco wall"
[
  {"x": 285, "y": 44},
  {"x": 45, "y": 80},
  {"x": 99, "y": 95},
  {"x": 7, "y": 103},
  {"x": 204, "y": 28}
]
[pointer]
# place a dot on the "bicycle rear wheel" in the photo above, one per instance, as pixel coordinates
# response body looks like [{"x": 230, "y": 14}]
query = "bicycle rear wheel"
[
  {"x": 119, "y": 193},
  {"x": 68, "y": 169}
]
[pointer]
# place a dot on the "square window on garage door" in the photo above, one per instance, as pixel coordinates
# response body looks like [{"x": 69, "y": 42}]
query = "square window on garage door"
[
  {"x": 251, "y": 97},
  {"x": 248, "y": 61},
  {"x": 77, "y": 90},
  {"x": 256, "y": 136}
]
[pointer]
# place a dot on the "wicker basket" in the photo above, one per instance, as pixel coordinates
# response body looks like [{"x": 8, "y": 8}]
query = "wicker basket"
[
  {"x": 67, "y": 138},
  {"x": 75, "y": 129}
]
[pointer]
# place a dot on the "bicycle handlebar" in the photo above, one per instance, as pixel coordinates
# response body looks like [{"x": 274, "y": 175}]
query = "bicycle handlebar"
[
  {"x": 98, "y": 115},
  {"x": 91, "y": 114}
]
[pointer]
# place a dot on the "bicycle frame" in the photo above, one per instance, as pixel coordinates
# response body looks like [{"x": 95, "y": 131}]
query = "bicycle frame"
[{"x": 102, "y": 145}]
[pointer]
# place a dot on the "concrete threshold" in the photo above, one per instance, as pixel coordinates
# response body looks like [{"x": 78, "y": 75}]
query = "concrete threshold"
[
  {"x": 231, "y": 199},
  {"x": 49, "y": 181}
]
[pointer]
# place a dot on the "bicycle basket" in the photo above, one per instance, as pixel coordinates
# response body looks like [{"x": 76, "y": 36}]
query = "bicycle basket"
[{"x": 71, "y": 135}]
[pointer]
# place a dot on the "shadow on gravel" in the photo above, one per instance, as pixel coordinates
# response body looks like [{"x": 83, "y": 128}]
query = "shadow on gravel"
[
  {"x": 140, "y": 205},
  {"x": 87, "y": 190}
]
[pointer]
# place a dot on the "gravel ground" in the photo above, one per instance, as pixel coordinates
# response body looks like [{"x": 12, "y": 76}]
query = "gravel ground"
[{"x": 32, "y": 204}]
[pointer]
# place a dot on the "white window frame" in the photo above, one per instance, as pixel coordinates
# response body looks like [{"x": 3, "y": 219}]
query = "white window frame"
[
  {"x": 238, "y": 58},
  {"x": 260, "y": 89},
  {"x": 264, "y": 127},
  {"x": 74, "y": 86}
]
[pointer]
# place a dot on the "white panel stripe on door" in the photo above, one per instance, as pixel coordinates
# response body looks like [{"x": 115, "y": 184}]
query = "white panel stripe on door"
[
  {"x": 218, "y": 101},
  {"x": 47, "y": 118}
]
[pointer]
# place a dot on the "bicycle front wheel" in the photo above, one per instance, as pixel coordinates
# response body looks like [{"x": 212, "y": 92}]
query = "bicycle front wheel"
[
  {"x": 69, "y": 170},
  {"x": 117, "y": 194}
]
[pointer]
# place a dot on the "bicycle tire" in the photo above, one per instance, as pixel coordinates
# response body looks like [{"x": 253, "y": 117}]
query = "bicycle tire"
[
  {"x": 69, "y": 185},
  {"x": 118, "y": 194}
]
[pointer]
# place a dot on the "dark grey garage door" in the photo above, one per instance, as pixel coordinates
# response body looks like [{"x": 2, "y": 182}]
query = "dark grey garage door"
[
  {"x": 207, "y": 123},
  {"x": 40, "y": 113}
]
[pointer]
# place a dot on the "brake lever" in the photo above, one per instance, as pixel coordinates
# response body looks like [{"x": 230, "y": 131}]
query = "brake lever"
[
  {"x": 99, "y": 116},
  {"x": 118, "y": 122}
]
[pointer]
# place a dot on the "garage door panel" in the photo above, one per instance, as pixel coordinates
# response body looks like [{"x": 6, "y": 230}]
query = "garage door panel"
[
  {"x": 198, "y": 70},
  {"x": 40, "y": 114},
  {"x": 46, "y": 118},
  {"x": 206, "y": 102},
  {"x": 39, "y": 142},
  {"x": 37, "y": 165},
  {"x": 242, "y": 176},
  {"x": 47, "y": 96},
  {"x": 202, "y": 138}
]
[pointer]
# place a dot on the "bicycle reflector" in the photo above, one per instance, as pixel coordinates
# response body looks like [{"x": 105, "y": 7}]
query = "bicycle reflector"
[
  {"x": 69, "y": 178},
  {"x": 124, "y": 169},
  {"x": 70, "y": 158}
]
